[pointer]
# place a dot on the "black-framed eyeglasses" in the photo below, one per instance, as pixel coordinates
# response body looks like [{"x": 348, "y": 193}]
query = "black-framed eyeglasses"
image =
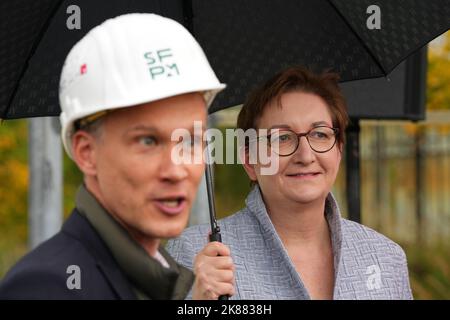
[{"x": 285, "y": 142}]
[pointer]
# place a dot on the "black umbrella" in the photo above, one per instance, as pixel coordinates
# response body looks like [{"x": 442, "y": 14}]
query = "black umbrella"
[{"x": 246, "y": 41}]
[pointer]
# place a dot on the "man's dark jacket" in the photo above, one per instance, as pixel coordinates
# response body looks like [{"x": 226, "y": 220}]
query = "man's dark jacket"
[{"x": 43, "y": 273}]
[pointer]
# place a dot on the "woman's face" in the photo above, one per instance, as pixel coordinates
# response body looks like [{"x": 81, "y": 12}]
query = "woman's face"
[{"x": 304, "y": 176}]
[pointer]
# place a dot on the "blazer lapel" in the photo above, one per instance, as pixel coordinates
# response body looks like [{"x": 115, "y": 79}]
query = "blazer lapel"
[{"x": 79, "y": 227}]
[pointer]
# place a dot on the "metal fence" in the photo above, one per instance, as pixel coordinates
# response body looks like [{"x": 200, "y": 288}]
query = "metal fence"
[{"x": 405, "y": 176}]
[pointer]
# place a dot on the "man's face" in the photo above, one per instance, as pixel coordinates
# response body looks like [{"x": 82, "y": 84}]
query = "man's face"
[{"x": 136, "y": 179}]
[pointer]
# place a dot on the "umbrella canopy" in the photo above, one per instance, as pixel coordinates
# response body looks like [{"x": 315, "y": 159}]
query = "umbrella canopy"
[
  {"x": 246, "y": 41},
  {"x": 35, "y": 38},
  {"x": 249, "y": 41}
]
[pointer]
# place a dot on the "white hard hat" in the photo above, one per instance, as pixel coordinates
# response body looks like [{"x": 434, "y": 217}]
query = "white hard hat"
[{"x": 129, "y": 60}]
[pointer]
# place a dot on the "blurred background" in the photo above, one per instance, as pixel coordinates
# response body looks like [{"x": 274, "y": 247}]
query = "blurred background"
[{"x": 405, "y": 182}]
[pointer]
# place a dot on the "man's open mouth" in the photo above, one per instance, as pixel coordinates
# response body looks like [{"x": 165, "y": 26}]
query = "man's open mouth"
[{"x": 171, "y": 205}]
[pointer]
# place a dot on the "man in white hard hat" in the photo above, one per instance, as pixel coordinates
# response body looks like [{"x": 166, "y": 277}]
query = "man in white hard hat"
[{"x": 125, "y": 87}]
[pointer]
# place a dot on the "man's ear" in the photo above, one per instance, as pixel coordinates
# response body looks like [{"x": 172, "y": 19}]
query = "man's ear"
[
  {"x": 84, "y": 152},
  {"x": 248, "y": 167}
]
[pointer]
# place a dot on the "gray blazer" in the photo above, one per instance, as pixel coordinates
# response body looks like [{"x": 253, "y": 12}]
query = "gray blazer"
[{"x": 367, "y": 264}]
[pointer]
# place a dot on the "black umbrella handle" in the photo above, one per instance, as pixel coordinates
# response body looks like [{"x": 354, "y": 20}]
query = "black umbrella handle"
[
  {"x": 216, "y": 236},
  {"x": 215, "y": 229}
]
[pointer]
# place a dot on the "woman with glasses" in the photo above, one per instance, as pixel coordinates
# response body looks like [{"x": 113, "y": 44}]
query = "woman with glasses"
[{"x": 290, "y": 241}]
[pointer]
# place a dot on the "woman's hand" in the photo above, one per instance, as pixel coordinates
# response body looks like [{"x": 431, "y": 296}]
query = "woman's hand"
[{"x": 214, "y": 272}]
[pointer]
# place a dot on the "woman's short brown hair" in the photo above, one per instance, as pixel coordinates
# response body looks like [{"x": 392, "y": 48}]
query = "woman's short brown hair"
[{"x": 324, "y": 85}]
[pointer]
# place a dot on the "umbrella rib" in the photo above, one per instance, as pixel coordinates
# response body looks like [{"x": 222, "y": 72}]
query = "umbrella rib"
[
  {"x": 359, "y": 39},
  {"x": 30, "y": 54}
]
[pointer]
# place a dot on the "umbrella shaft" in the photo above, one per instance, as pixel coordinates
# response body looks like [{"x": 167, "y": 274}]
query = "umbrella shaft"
[{"x": 211, "y": 202}]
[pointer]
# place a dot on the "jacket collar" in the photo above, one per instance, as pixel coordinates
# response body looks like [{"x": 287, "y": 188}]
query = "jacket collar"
[
  {"x": 147, "y": 274},
  {"x": 78, "y": 227},
  {"x": 257, "y": 207}
]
